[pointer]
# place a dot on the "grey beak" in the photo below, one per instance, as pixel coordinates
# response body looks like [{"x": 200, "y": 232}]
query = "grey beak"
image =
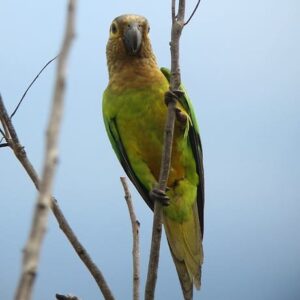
[{"x": 133, "y": 39}]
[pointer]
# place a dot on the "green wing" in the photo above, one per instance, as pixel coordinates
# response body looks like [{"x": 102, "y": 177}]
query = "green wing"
[
  {"x": 194, "y": 138},
  {"x": 114, "y": 137}
]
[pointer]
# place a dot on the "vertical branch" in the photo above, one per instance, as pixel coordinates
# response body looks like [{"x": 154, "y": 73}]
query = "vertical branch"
[
  {"x": 136, "y": 246},
  {"x": 38, "y": 227},
  {"x": 171, "y": 98}
]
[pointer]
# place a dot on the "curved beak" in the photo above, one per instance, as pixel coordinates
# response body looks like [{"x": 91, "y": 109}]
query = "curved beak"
[{"x": 133, "y": 39}]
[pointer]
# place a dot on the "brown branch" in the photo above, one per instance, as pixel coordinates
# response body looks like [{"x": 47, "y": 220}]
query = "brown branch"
[
  {"x": 135, "y": 224},
  {"x": 40, "y": 218},
  {"x": 171, "y": 96},
  {"x": 63, "y": 224},
  {"x": 82, "y": 252},
  {"x": 67, "y": 297},
  {"x": 19, "y": 151}
]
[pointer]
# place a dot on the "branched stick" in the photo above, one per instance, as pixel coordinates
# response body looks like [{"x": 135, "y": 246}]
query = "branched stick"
[
  {"x": 63, "y": 224},
  {"x": 136, "y": 244},
  {"x": 14, "y": 143},
  {"x": 19, "y": 151},
  {"x": 171, "y": 96},
  {"x": 39, "y": 222}
]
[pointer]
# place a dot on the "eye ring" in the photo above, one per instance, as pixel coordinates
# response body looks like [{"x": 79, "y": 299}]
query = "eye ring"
[{"x": 113, "y": 28}]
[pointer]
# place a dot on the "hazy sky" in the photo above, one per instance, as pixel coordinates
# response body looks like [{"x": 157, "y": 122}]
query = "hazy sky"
[{"x": 241, "y": 65}]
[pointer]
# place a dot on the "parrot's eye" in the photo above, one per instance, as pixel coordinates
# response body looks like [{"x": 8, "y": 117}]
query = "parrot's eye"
[{"x": 113, "y": 28}]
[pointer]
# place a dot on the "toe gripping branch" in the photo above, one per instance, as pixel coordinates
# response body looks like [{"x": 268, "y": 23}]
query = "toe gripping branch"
[
  {"x": 173, "y": 97},
  {"x": 159, "y": 195}
]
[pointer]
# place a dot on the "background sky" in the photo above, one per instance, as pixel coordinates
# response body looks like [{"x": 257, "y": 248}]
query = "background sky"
[{"x": 240, "y": 63}]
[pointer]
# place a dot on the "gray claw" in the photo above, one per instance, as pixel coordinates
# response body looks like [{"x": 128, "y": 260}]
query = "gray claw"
[{"x": 159, "y": 195}]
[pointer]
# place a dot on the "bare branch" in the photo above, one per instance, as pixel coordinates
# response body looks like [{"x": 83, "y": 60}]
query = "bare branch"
[
  {"x": 170, "y": 98},
  {"x": 21, "y": 155},
  {"x": 173, "y": 10},
  {"x": 30, "y": 85},
  {"x": 33, "y": 246},
  {"x": 28, "y": 88},
  {"x": 192, "y": 14},
  {"x": 82, "y": 252},
  {"x": 136, "y": 246},
  {"x": 67, "y": 297},
  {"x": 181, "y": 11}
]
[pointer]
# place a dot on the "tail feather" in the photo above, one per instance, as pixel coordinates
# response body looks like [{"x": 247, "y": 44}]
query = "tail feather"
[
  {"x": 185, "y": 243},
  {"x": 184, "y": 278}
]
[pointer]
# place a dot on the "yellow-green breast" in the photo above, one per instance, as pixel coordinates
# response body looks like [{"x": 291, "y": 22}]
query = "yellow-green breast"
[{"x": 138, "y": 108}]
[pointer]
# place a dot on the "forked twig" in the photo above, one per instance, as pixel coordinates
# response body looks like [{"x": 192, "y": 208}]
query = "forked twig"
[
  {"x": 21, "y": 155},
  {"x": 135, "y": 224},
  {"x": 19, "y": 151},
  {"x": 177, "y": 26}
]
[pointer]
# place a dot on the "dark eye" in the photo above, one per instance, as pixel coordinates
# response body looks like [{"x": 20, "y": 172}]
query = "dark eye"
[
  {"x": 113, "y": 28},
  {"x": 148, "y": 29}
]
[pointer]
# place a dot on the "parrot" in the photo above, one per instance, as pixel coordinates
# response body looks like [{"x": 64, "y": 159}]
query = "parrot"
[{"x": 134, "y": 113}]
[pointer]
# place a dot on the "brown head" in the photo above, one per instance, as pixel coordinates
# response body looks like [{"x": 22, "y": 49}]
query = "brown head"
[{"x": 129, "y": 43}]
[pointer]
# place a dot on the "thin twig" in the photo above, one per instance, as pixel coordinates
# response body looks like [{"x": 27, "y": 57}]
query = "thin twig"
[
  {"x": 136, "y": 244},
  {"x": 28, "y": 88},
  {"x": 40, "y": 218},
  {"x": 192, "y": 14},
  {"x": 32, "y": 82},
  {"x": 21, "y": 155},
  {"x": 67, "y": 297},
  {"x": 177, "y": 26},
  {"x": 3, "y": 134},
  {"x": 3, "y": 145}
]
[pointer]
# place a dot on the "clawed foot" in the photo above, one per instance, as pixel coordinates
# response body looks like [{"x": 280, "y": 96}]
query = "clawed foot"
[
  {"x": 173, "y": 96},
  {"x": 159, "y": 195},
  {"x": 180, "y": 116}
]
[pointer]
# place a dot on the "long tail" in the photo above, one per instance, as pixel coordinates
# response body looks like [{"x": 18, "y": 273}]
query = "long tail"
[{"x": 185, "y": 243}]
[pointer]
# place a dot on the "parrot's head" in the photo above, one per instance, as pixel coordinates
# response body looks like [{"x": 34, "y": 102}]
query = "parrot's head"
[{"x": 129, "y": 39}]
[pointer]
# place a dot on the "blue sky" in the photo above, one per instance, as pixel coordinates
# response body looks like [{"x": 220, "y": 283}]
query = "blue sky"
[{"x": 240, "y": 63}]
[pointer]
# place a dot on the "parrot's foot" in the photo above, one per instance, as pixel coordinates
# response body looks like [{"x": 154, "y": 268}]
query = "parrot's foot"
[
  {"x": 159, "y": 195},
  {"x": 173, "y": 96},
  {"x": 180, "y": 116}
]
